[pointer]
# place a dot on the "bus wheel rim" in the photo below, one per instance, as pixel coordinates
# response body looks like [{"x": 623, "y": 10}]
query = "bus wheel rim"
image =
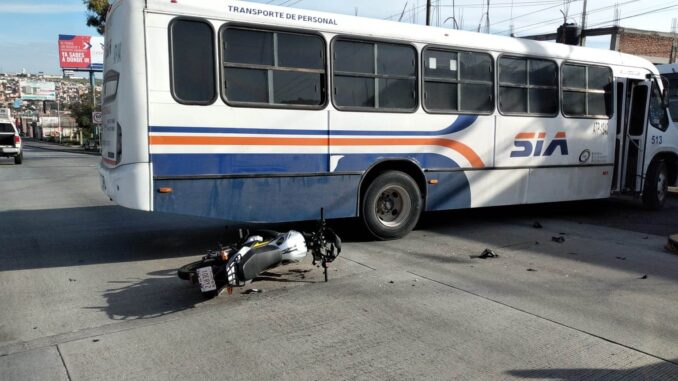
[{"x": 393, "y": 205}]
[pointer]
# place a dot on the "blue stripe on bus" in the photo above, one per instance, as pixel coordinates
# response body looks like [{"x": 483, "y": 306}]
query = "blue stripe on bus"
[
  {"x": 227, "y": 164},
  {"x": 284, "y": 199},
  {"x": 460, "y": 124},
  {"x": 271, "y": 199}
]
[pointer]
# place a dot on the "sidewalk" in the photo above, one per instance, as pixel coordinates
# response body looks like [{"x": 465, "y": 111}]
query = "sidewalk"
[{"x": 59, "y": 147}]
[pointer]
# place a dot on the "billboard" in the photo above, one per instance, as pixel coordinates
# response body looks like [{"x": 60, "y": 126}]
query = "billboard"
[
  {"x": 81, "y": 52},
  {"x": 37, "y": 91},
  {"x": 49, "y": 121}
]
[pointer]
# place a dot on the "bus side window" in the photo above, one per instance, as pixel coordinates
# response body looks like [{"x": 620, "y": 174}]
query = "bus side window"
[
  {"x": 273, "y": 68},
  {"x": 528, "y": 86},
  {"x": 458, "y": 81},
  {"x": 375, "y": 76},
  {"x": 193, "y": 80},
  {"x": 587, "y": 91}
]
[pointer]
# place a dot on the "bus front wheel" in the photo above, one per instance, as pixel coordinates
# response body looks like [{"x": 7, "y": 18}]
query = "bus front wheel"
[
  {"x": 656, "y": 187},
  {"x": 392, "y": 205}
]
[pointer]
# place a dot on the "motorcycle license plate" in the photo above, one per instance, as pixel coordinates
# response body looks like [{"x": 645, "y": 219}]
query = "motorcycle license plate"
[{"x": 206, "y": 279}]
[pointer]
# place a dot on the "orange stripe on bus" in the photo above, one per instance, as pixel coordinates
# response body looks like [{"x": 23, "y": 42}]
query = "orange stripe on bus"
[
  {"x": 525, "y": 135},
  {"x": 461, "y": 148},
  {"x": 560, "y": 135},
  {"x": 542, "y": 135},
  {"x": 236, "y": 141}
]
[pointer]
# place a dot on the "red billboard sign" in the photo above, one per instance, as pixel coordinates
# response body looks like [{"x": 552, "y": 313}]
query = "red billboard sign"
[{"x": 81, "y": 52}]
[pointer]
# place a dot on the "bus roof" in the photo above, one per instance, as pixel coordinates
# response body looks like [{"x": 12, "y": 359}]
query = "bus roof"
[{"x": 259, "y": 13}]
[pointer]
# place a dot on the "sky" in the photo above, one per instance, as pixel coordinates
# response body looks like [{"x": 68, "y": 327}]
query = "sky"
[{"x": 29, "y": 29}]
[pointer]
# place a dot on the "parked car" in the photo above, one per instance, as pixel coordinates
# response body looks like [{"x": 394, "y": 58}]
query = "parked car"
[{"x": 10, "y": 141}]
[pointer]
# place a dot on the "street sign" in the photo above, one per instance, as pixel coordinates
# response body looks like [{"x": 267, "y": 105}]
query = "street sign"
[{"x": 97, "y": 118}]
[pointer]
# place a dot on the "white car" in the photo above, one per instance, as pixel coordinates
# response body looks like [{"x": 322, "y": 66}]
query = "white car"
[{"x": 10, "y": 142}]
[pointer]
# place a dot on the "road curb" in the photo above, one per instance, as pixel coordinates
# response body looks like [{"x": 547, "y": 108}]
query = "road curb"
[{"x": 60, "y": 149}]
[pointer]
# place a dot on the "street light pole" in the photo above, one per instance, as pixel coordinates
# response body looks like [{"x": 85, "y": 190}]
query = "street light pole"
[
  {"x": 61, "y": 133},
  {"x": 92, "y": 82},
  {"x": 428, "y": 12}
]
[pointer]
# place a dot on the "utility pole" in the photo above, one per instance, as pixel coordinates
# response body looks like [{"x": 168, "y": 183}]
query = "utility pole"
[
  {"x": 673, "y": 57},
  {"x": 428, "y": 12},
  {"x": 582, "y": 39},
  {"x": 487, "y": 19}
]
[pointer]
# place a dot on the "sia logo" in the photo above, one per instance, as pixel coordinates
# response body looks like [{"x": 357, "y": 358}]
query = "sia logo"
[{"x": 532, "y": 144}]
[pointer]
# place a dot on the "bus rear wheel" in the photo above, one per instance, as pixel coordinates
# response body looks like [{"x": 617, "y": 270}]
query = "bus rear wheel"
[
  {"x": 391, "y": 205},
  {"x": 656, "y": 187}
]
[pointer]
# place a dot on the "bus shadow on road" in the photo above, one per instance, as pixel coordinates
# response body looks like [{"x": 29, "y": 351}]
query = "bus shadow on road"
[
  {"x": 665, "y": 370},
  {"x": 33, "y": 239}
]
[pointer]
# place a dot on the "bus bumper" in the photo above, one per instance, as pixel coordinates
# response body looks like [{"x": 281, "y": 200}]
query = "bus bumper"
[{"x": 128, "y": 185}]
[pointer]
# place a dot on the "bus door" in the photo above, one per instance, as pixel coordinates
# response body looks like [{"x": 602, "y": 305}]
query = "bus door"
[
  {"x": 631, "y": 139},
  {"x": 621, "y": 116}
]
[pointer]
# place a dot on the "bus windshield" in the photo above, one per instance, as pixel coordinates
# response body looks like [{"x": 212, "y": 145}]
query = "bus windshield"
[{"x": 673, "y": 95}]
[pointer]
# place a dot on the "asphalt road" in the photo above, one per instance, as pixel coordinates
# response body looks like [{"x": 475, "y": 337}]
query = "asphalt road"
[{"x": 89, "y": 292}]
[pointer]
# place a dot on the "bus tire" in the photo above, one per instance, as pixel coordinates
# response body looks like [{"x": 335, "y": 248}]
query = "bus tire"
[
  {"x": 391, "y": 205},
  {"x": 656, "y": 187}
]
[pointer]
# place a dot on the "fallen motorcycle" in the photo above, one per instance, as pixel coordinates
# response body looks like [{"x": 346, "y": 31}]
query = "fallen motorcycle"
[{"x": 238, "y": 264}]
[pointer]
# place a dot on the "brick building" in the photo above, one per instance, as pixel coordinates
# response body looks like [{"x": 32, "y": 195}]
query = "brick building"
[{"x": 657, "y": 47}]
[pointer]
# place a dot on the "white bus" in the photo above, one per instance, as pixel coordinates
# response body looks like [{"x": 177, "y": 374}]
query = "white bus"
[{"x": 248, "y": 112}]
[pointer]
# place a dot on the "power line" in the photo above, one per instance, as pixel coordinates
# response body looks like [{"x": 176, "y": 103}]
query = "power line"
[
  {"x": 559, "y": 19},
  {"x": 640, "y": 14},
  {"x": 494, "y": 6},
  {"x": 530, "y": 13}
]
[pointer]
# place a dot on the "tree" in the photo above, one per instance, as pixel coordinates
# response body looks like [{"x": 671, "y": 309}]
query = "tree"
[
  {"x": 82, "y": 111},
  {"x": 96, "y": 14}
]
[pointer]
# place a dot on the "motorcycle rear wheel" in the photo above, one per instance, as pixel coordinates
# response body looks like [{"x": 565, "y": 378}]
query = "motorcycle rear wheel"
[{"x": 184, "y": 272}]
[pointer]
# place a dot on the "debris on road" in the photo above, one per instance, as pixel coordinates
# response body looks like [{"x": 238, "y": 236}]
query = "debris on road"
[
  {"x": 253, "y": 291},
  {"x": 537, "y": 225},
  {"x": 672, "y": 245},
  {"x": 558, "y": 239},
  {"x": 621, "y": 258},
  {"x": 487, "y": 253},
  {"x": 643, "y": 277},
  {"x": 531, "y": 269}
]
